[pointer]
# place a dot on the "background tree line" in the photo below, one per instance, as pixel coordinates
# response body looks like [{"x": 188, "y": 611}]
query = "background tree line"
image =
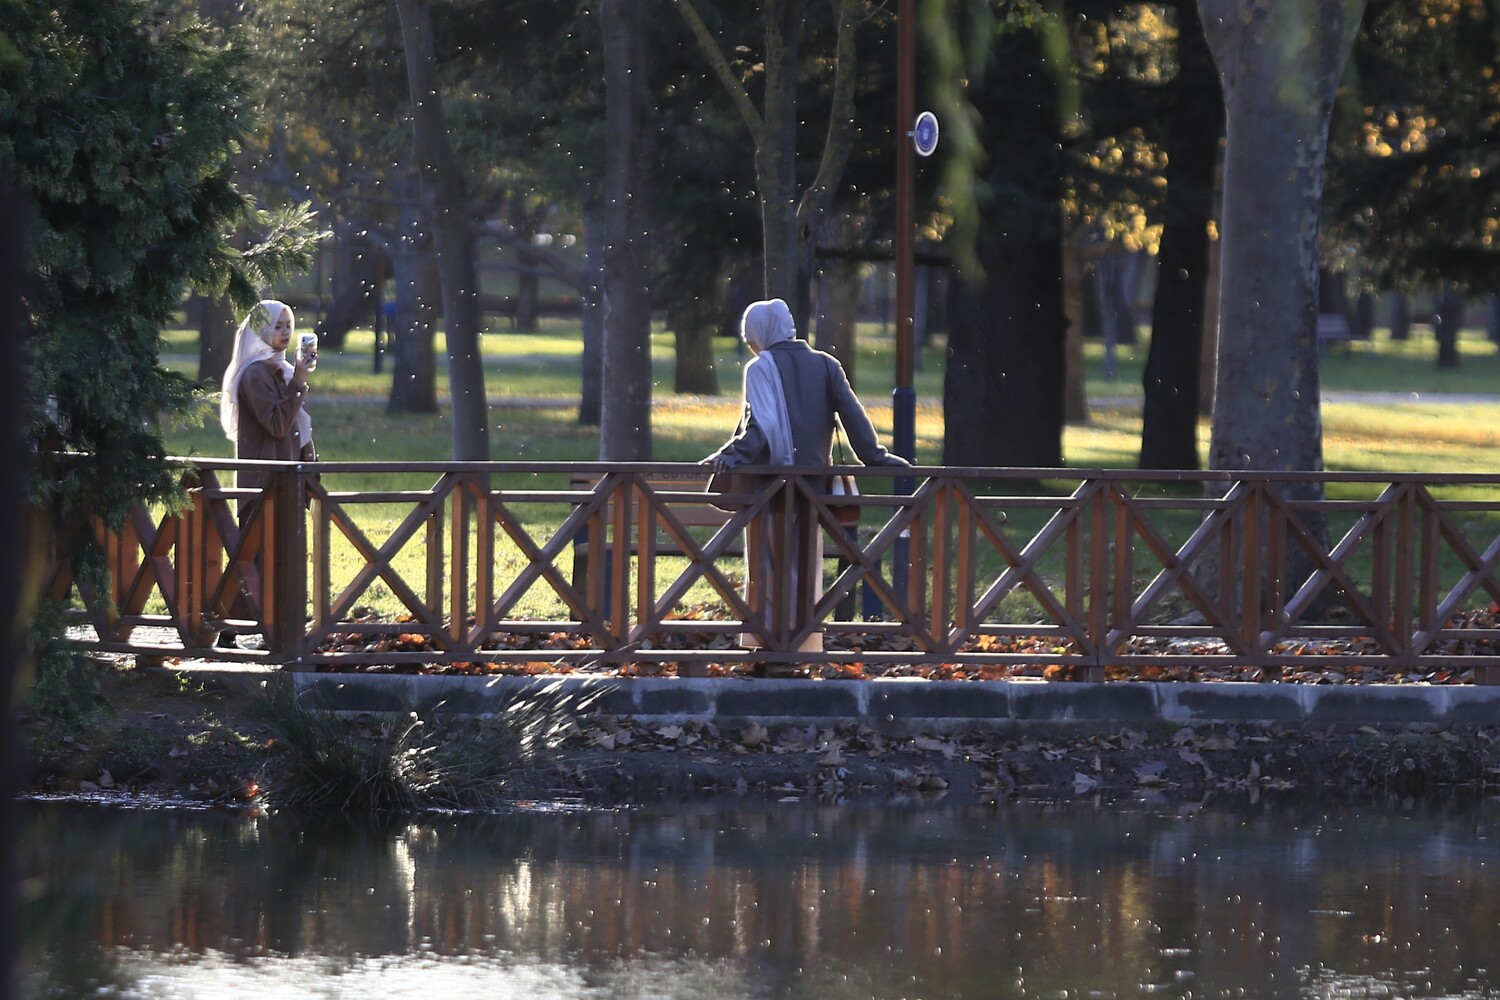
[{"x": 706, "y": 153}]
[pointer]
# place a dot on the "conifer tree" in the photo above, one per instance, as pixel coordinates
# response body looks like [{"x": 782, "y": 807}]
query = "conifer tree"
[{"x": 119, "y": 120}]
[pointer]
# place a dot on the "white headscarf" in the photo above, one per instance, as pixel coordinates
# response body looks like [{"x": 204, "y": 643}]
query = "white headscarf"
[
  {"x": 764, "y": 324},
  {"x": 252, "y": 345}
]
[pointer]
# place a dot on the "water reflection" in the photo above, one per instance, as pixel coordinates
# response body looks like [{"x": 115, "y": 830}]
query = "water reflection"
[{"x": 782, "y": 900}]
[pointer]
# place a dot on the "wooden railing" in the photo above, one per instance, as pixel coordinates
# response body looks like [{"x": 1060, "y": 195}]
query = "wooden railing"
[{"x": 1099, "y": 572}]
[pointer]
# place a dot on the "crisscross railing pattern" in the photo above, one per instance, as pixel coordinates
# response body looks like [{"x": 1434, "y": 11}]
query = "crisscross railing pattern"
[{"x": 1090, "y": 569}]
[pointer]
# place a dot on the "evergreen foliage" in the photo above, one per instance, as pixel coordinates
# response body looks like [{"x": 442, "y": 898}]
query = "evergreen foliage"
[
  {"x": 119, "y": 122},
  {"x": 1411, "y": 197}
]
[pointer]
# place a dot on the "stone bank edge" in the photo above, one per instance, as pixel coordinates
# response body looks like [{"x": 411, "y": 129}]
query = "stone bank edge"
[{"x": 896, "y": 704}]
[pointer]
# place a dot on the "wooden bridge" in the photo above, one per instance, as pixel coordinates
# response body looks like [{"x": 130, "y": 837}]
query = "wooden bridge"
[{"x": 1100, "y": 573}]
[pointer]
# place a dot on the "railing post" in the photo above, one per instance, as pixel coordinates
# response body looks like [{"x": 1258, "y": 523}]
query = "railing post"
[{"x": 284, "y": 576}]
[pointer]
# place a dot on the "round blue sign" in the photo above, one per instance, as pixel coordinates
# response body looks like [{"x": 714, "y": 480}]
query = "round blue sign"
[{"x": 925, "y": 134}]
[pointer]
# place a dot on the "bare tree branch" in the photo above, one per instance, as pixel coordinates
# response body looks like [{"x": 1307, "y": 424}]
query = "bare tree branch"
[{"x": 732, "y": 84}]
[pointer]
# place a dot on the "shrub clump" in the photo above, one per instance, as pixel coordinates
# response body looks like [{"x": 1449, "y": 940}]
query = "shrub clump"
[{"x": 330, "y": 762}]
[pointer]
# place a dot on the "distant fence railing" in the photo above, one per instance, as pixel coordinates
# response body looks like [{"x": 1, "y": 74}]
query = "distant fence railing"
[{"x": 1098, "y": 573}]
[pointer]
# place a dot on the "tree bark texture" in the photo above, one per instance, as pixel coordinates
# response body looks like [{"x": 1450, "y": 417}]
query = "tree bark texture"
[
  {"x": 838, "y": 311},
  {"x": 591, "y": 307},
  {"x": 625, "y": 419},
  {"x": 1398, "y": 306},
  {"x": 776, "y": 153},
  {"x": 447, "y": 215},
  {"x": 355, "y": 295},
  {"x": 13, "y": 555},
  {"x": 1279, "y": 65},
  {"x": 216, "y": 329},
  {"x": 1447, "y": 321},
  {"x": 790, "y": 226},
  {"x": 1195, "y": 123},
  {"x": 1003, "y": 389},
  {"x": 413, "y": 355},
  {"x": 1075, "y": 297}
]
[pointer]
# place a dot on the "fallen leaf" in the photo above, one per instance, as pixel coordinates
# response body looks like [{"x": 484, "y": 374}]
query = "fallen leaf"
[{"x": 944, "y": 747}]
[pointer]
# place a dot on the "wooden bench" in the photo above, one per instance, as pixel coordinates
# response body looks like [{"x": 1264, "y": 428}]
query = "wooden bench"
[
  {"x": 691, "y": 515},
  {"x": 1333, "y": 328}
]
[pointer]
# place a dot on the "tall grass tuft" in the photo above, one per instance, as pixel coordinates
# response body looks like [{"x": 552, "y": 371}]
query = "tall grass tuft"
[{"x": 394, "y": 767}]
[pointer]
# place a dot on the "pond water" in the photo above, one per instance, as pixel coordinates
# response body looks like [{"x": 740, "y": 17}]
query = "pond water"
[{"x": 788, "y": 899}]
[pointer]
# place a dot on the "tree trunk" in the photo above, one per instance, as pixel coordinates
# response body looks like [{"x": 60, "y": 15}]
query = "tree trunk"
[
  {"x": 591, "y": 305},
  {"x": 1399, "y": 308},
  {"x": 1279, "y": 65},
  {"x": 776, "y": 154},
  {"x": 1169, "y": 426},
  {"x": 790, "y": 227},
  {"x": 1362, "y": 315},
  {"x": 13, "y": 573},
  {"x": 1447, "y": 321},
  {"x": 1121, "y": 271},
  {"x": 625, "y": 425},
  {"x": 1003, "y": 389},
  {"x": 1492, "y": 318},
  {"x": 216, "y": 329},
  {"x": 1208, "y": 375},
  {"x": 354, "y": 294},
  {"x": 1075, "y": 296},
  {"x": 528, "y": 294},
  {"x": 838, "y": 311},
  {"x": 447, "y": 215},
  {"x": 694, "y": 342},
  {"x": 413, "y": 357}
]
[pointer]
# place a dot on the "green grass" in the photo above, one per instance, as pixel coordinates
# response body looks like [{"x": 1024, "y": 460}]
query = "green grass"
[{"x": 1424, "y": 435}]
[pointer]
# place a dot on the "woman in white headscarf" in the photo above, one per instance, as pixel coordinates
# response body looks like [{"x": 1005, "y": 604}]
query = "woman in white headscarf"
[
  {"x": 261, "y": 406},
  {"x": 793, "y": 396}
]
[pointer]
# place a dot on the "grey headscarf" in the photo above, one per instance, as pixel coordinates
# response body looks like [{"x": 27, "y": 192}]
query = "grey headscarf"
[{"x": 764, "y": 324}]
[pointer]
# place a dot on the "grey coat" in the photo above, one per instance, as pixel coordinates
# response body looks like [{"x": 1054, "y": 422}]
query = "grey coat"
[{"x": 816, "y": 389}]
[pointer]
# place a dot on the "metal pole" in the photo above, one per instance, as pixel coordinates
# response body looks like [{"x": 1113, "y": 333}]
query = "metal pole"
[
  {"x": 904, "y": 395},
  {"x": 903, "y": 400}
]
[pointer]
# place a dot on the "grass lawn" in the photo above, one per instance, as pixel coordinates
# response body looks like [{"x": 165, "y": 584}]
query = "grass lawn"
[{"x": 533, "y": 382}]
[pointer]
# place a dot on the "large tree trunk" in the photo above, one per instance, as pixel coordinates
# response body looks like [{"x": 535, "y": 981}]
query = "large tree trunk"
[
  {"x": 790, "y": 227},
  {"x": 838, "y": 310},
  {"x": 694, "y": 340},
  {"x": 625, "y": 424},
  {"x": 1003, "y": 389},
  {"x": 413, "y": 357},
  {"x": 776, "y": 154},
  {"x": 216, "y": 329},
  {"x": 447, "y": 216},
  {"x": 528, "y": 293},
  {"x": 1075, "y": 296},
  {"x": 591, "y": 307},
  {"x": 1169, "y": 429},
  {"x": 1447, "y": 321},
  {"x": 1279, "y": 65},
  {"x": 13, "y": 558},
  {"x": 1399, "y": 306},
  {"x": 355, "y": 292}
]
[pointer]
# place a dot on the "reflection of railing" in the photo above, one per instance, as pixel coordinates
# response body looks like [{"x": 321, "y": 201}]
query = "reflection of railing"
[{"x": 1090, "y": 569}]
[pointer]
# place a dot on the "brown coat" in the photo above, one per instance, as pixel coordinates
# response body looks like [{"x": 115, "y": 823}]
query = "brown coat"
[{"x": 269, "y": 406}]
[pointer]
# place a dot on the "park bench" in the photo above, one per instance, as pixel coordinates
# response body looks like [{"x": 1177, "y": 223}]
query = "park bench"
[
  {"x": 691, "y": 515},
  {"x": 1333, "y": 328}
]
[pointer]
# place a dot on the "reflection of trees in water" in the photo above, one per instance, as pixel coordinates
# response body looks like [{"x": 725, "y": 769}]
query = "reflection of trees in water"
[{"x": 1064, "y": 897}]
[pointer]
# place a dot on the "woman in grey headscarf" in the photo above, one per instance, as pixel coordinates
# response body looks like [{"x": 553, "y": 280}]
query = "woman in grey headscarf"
[{"x": 793, "y": 396}]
